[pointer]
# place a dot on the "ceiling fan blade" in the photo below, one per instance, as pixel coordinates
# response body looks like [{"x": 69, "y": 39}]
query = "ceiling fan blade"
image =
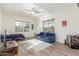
[{"x": 27, "y": 10}]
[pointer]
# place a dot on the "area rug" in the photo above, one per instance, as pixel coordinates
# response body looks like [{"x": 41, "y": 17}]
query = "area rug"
[{"x": 35, "y": 44}]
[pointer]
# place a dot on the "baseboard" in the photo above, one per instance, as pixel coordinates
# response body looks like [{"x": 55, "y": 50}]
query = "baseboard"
[
  {"x": 59, "y": 42},
  {"x": 29, "y": 37}
]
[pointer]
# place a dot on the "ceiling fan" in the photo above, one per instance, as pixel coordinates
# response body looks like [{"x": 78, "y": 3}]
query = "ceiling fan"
[{"x": 35, "y": 10}]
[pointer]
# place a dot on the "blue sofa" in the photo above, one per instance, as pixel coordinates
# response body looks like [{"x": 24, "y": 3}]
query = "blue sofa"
[
  {"x": 46, "y": 37},
  {"x": 13, "y": 37}
]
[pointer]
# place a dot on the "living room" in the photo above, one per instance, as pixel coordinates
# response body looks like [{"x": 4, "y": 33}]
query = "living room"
[{"x": 39, "y": 28}]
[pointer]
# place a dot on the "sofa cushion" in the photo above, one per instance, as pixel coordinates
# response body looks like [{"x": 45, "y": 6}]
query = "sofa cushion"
[
  {"x": 45, "y": 33},
  {"x": 41, "y": 36},
  {"x": 46, "y": 37},
  {"x": 41, "y": 33},
  {"x": 50, "y": 34}
]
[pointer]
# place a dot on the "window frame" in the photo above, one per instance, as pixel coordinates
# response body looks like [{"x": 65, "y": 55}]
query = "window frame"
[
  {"x": 23, "y": 22},
  {"x": 48, "y": 24}
]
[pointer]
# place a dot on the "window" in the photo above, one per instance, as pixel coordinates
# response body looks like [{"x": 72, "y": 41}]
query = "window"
[
  {"x": 45, "y": 26},
  {"x": 22, "y": 26},
  {"x": 51, "y": 23},
  {"x": 26, "y": 26},
  {"x": 48, "y": 25}
]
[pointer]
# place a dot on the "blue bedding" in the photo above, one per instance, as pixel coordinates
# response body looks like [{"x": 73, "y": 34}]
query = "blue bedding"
[{"x": 13, "y": 37}]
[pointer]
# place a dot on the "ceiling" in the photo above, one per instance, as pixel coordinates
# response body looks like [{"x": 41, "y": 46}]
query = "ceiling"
[
  {"x": 20, "y": 8},
  {"x": 25, "y": 8},
  {"x": 53, "y": 7}
]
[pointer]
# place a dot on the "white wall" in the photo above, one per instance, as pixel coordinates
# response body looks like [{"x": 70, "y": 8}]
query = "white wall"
[
  {"x": 71, "y": 14},
  {"x": 8, "y": 23},
  {"x": 0, "y": 20}
]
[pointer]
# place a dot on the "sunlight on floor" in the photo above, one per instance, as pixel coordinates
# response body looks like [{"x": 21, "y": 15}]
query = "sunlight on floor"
[{"x": 36, "y": 45}]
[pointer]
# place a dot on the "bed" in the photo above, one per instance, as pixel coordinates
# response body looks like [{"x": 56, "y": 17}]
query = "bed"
[{"x": 13, "y": 37}]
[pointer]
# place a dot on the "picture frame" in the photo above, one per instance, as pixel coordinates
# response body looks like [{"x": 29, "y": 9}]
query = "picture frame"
[{"x": 32, "y": 26}]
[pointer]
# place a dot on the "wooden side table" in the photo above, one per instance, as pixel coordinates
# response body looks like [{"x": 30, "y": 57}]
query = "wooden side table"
[{"x": 10, "y": 50}]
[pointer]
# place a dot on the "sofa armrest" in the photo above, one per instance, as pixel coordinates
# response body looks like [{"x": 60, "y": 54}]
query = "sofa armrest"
[{"x": 37, "y": 34}]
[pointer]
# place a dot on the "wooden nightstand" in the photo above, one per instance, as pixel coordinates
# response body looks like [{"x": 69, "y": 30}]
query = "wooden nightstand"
[{"x": 10, "y": 50}]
